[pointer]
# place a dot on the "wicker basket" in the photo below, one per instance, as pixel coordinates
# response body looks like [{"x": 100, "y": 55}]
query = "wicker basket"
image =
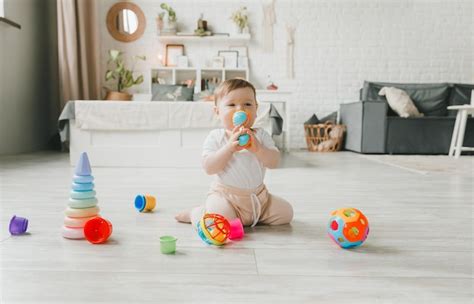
[{"x": 325, "y": 137}]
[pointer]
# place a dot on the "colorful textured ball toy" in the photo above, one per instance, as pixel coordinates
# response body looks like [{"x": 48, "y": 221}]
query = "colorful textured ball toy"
[
  {"x": 240, "y": 118},
  {"x": 214, "y": 229},
  {"x": 348, "y": 227}
]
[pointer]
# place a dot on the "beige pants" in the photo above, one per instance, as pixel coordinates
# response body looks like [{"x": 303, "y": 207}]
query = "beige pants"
[{"x": 250, "y": 206}]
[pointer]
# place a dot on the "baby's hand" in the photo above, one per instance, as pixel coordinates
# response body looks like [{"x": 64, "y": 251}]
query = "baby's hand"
[
  {"x": 255, "y": 145},
  {"x": 233, "y": 143}
]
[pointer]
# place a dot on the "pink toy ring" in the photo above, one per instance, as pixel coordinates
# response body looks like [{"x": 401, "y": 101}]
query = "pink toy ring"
[
  {"x": 73, "y": 233},
  {"x": 77, "y": 222}
]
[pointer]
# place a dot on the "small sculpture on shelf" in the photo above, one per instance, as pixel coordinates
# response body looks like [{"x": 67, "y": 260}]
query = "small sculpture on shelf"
[
  {"x": 271, "y": 86},
  {"x": 202, "y": 29}
]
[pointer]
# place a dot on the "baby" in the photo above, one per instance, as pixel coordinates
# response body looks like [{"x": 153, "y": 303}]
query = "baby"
[{"x": 239, "y": 191}]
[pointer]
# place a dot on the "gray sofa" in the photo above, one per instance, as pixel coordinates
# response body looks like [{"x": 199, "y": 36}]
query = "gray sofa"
[{"x": 372, "y": 127}]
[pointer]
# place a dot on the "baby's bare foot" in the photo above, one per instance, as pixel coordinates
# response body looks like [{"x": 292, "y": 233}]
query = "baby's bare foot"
[{"x": 183, "y": 217}]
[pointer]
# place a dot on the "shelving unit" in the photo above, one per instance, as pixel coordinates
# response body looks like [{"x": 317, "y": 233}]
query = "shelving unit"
[{"x": 176, "y": 75}]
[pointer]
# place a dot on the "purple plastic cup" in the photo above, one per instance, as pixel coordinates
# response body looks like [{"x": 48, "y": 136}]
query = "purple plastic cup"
[
  {"x": 18, "y": 225},
  {"x": 236, "y": 229}
]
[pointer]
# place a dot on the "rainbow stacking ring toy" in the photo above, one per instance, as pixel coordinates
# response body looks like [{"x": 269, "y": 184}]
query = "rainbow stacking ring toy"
[
  {"x": 214, "y": 229},
  {"x": 348, "y": 227},
  {"x": 82, "y": 204},
  {"x": 145, "y": 203},
  {"x": 18, "y": 225}
]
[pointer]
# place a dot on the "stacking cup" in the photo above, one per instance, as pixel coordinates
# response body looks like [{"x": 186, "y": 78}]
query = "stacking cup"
[
  {"x": 97, "y": 230},
  {"x": 168, "y": 244},
  {"x": 145, "y": 203},
  {"x": 18, "y": 225},
  {"x": 236, "y": 229}
]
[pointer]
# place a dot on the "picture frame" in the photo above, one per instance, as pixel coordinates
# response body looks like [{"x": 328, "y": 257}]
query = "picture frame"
[
  {"x": 242, "y": 49},
  {"x": 183, "y": 61},
  {"x": 230, "y": 58},
  {"x": 217, "y": 62},
  {"x": 243, "y": 62},
  {"x": 173, "y": 51}
]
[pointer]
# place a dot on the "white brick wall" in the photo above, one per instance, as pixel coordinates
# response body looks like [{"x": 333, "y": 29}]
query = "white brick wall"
[{"x": 339, "y": 44}]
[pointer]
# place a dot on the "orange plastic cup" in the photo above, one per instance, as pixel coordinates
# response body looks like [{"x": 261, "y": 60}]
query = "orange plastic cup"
[{"x": 97, "y": 230}]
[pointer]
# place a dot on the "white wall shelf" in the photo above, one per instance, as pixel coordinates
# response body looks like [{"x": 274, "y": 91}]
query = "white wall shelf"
[{"x": 241, "y": 38}]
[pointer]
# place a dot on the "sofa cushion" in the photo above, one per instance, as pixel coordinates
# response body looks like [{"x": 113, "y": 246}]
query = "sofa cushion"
[
  {"x": 430, "y": 99},
  {"x": 423, "y": 135},
  {"x": 166, "y": 92},
  {"x": 400, "y": 102},
  {"x": 460, "y": 94}
]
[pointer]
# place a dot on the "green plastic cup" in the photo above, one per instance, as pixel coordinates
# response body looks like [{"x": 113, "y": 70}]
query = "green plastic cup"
[{"x": 168, "y": 244}]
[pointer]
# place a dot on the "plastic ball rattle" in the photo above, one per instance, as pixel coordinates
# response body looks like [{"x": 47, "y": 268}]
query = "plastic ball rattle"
[
  {"x": 240, "y": 118},
  {"x": 214, "y": 229},
  {"x": 348, "y": 227}
]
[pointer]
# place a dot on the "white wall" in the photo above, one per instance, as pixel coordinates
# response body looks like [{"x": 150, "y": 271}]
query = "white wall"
[
  {"x": 339, "y": 44},
  {"x": 2, "y": 14},
  {"x": 28, "y": 76}
]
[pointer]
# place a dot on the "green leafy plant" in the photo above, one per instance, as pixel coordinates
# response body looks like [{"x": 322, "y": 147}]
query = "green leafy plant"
[
  {"x": 240, "y": 17},
  {"x": 169, "y": 10},
  {"x": 120, "y": 73}
]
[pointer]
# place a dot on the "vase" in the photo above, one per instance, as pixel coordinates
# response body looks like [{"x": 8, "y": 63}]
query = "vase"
[
  {"x": 159, "y": 24},
  {"x": 170, "y": 27},
  {"x": 113, "y": 95},
  {"x": 237, "y": 29}
]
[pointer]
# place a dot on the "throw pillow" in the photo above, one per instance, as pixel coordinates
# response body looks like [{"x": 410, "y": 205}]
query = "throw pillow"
[
  {"x": 400, "y": 102},
  {"x": 166, "y": 92},
  {"x": 313, "y": 120},
  {"x": 330, "y": 118}
]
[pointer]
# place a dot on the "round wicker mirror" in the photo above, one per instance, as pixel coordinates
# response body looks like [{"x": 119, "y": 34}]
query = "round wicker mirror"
[{"x": 126, "y": 21}]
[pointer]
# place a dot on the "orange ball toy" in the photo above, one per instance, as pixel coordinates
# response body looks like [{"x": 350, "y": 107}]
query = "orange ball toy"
[{"x": 348, "y": 227}]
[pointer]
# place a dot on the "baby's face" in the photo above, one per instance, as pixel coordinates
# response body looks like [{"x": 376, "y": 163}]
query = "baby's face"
[{"x": 238, "y": 100}]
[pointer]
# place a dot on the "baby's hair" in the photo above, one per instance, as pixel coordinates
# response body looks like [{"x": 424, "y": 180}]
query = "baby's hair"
[{"x": 230, "y": 85}]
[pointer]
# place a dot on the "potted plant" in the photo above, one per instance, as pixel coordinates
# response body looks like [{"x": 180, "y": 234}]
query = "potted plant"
[
  {"x": 167, "y": 20},
  {"x": 123, "y": 76},
  {"x": 240, "y": 18}
]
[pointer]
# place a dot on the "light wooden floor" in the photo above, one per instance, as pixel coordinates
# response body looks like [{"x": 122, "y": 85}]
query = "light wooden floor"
[{"x": 420, "y": 248}]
